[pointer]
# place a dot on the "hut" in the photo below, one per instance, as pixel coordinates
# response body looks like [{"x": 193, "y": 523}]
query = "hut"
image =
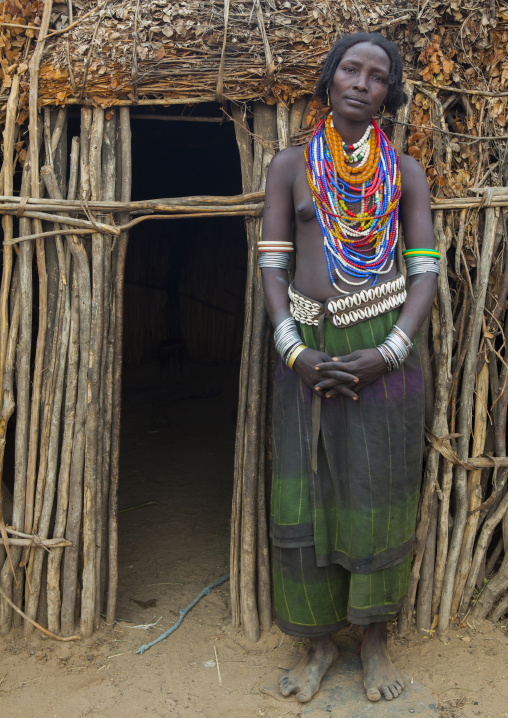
[{"x": 76, "y": 77}]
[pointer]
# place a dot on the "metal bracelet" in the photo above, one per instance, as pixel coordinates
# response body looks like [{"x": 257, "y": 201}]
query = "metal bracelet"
[
  {"x": 279, "y": 260},
  {"x": 396, "y": 348},
  {"x": 420, "y": 265},
  {"x": 286, "y": 338}
]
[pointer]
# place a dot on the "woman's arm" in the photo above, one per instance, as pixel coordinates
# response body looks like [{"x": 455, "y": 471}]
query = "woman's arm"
[
  {"x": 277, "y": 226},
  {"x": 416, "y": 221}
]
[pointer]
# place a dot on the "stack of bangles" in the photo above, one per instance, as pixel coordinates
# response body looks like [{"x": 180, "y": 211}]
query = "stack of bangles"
[
  {"x": 274, "y": 253},
  {"x": 288, "y": 342},
  {"x": 419, "y": 261},
  {"x": 396, "y": 348}
]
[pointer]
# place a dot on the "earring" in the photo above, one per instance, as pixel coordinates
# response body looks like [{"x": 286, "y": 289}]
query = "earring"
[
  {"x": 328, "y": 96},
  {"x": 382, "y": 111}
]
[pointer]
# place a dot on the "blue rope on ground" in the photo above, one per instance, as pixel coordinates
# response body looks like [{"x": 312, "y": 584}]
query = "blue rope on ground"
[{"x": 183, "y": 613}]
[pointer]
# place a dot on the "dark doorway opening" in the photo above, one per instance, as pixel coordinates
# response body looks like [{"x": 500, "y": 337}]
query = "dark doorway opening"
[{"x": 183, "y": 322}]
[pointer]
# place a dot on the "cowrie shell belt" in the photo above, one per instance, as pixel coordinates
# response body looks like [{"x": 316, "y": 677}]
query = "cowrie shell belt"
[{"x": 349, "y": 309}]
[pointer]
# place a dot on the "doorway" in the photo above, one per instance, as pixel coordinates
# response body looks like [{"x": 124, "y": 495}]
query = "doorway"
[{"x": 183, "y": 324}]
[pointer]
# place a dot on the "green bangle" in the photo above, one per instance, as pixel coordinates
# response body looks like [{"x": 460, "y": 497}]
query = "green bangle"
[{"x": 421, "y": 253}]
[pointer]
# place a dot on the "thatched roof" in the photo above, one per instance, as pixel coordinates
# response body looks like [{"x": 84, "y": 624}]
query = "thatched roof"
[{"x": 128, "y": 50}]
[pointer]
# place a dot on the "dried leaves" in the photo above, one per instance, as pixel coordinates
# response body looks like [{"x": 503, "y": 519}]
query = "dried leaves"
[{"x": 178, "y": 48}]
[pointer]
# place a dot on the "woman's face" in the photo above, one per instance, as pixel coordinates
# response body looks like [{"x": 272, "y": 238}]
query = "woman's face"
[{"x": 360, "y": 83}]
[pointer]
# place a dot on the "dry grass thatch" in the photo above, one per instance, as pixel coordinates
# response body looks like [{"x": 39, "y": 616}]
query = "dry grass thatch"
[{"x": 126, "y": 50}]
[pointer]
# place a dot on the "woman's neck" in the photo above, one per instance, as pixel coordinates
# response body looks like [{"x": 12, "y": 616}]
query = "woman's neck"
[{"x": 350, "y": 131}]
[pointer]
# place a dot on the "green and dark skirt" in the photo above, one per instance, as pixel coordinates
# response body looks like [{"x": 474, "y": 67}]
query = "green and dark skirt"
[{"x": 342, "y": 536}]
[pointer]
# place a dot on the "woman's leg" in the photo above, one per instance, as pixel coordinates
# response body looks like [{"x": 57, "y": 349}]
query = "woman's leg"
[
  {"x": 305, "y": 678},
  {"x": 380, "y": 676},
  {"x": 310, "y": 602},
  {"x": 374, "y": 599}
]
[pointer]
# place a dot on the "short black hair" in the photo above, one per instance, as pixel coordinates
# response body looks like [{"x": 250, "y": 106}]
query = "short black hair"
[{"x": 395, "y": 97}]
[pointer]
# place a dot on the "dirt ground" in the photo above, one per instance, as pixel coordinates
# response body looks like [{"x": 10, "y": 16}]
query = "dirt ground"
[{"x": 178, "y": 454}]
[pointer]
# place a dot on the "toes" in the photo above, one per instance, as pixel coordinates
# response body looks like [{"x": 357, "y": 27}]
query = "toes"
[
  {"x": 400, "y": 683},
  {"x": 286, "y": 688},
  {"x": 387, "y": 693},
  {"x": 395, "y": 690},
  {"x": 303, "y": 697},
  {"x": 373, "y": 695}
]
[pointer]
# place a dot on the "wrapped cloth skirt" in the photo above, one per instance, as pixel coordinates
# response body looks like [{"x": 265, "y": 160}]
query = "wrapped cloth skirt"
[{"x": 342, "y": 534}]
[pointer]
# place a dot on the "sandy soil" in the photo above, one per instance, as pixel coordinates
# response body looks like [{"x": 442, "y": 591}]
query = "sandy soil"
[{"x": 177, "y": 452}]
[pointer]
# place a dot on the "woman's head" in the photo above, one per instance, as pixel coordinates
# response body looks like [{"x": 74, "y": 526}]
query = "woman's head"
[{"x": 395, "y": 95}]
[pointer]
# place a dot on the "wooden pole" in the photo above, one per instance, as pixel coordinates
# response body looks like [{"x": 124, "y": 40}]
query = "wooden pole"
[
  {"x": 22, "y": 406},
  {"x": 439, "y": 427},
  {"x": 52, "y": 392},
  {"x": 73, "y": 524},
  {"x": 6, "y": 182},
  {"x": 88, "y": 595},
  {"x": 474, "y": 488},
  {"x": 265, "y": 126},
  {"x": 7, "y": 222},
  {"x": 55, "y": 557},
  {"x": 106, "y": 395},
  {"x": 125, "y": 192}
]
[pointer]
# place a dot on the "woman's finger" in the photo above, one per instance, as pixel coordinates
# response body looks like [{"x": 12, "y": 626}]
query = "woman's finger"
[
  {"x": 325, "y": 384},
  {"x": 348, "y": 368},
  {"x": 341, "y": 390},
  {"x": 339, "y": 376}
]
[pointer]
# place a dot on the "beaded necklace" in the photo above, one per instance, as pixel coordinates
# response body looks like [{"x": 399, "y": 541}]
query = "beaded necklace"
[{"x": 356, "y": 244}]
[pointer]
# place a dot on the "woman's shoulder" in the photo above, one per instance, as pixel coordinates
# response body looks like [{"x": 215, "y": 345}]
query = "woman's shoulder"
[
  {"x": 291, "y": 157},
  {"x": 413, "y": 179},
  {"x": 410, "y": 168},
  {"x": 286, "y": 165}
]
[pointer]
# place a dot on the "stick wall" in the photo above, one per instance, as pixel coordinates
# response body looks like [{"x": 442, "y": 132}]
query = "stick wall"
[
  {"x": 64, "y": 254},
  {"x": 67, "y": 422}
]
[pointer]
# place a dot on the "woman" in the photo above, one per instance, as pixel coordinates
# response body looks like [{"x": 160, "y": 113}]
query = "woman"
[{"x": 348, "y": 397}]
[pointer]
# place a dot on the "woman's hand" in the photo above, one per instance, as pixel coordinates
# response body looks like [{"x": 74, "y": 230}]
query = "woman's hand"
[
  {"x": 337, "y": 380},
  {"x": 366, "y": 365}
]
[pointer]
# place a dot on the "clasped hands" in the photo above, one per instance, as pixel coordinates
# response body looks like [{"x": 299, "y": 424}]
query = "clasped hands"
[{"x": 334, "y": 376}]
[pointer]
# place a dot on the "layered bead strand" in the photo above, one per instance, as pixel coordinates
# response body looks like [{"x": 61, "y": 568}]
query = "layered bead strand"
[{"x": 358, "y": 245}]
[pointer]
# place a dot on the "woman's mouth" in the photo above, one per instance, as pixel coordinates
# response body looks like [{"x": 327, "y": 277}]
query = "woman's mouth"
[{"x": 355, "y": 101}]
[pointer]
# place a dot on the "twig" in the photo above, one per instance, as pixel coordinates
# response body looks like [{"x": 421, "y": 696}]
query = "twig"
[
  {"x": 184, "y": 612},
  {"x": 459, "y": 90},
  {"x": 217, "y": 664},
  {"x": 23, "y": 27},
  {"x": 41, "y": 628},
  {"x": 389, "y": 23},
  {"x": 72, "y": 25},
  {"x": 473, "y": 138}
]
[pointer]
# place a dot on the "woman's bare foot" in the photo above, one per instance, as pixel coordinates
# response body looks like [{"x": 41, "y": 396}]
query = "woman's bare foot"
[
  {"x": 305, "y": 678},
  {"x": 379, "y": 674}
]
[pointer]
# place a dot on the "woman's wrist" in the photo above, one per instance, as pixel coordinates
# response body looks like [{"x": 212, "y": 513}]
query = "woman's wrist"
[
  {"x": 295, "y": 354},
  {"x": 287, "y": 339},
  {"x": 396, "y": 348}
]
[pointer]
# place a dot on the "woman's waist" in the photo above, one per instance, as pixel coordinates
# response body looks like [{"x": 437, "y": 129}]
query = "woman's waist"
[{"x": 352, "y": 307}]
